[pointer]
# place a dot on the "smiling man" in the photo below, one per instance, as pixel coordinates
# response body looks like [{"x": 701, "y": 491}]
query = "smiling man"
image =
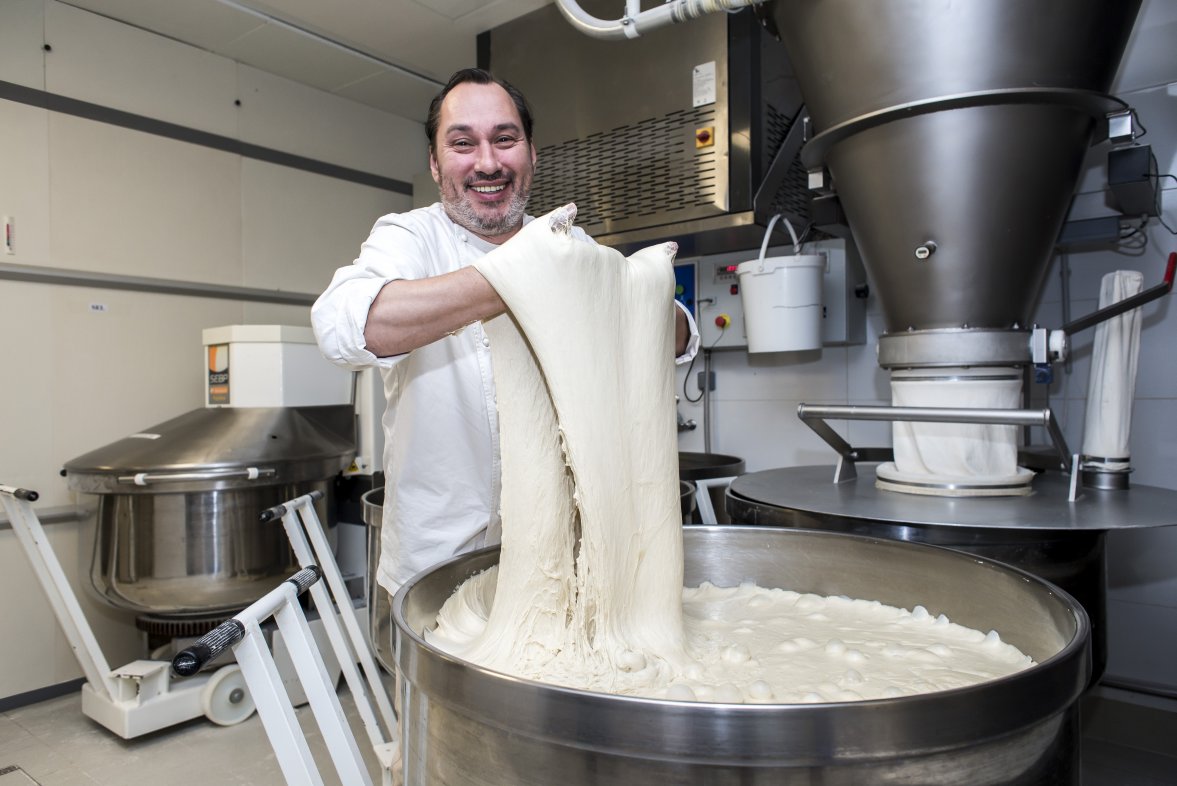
[{"x": 412, "y": 305}]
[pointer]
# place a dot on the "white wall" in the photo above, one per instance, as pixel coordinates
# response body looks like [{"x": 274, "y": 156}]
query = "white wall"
[
  {"x": 95, "y": 197},
  {"x": 754, "y": 405}
]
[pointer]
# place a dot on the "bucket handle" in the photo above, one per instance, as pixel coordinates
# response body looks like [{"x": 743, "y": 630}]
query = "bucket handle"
[
  {"x": 768, "y": 233},
  {"x": 792, "y": 233}
]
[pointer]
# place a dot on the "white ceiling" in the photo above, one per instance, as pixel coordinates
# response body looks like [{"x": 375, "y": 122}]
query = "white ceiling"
[{"x": 390, "y": 54}]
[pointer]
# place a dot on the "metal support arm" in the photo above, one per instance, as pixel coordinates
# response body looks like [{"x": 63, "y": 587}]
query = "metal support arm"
[
  {"x": 1128, "y": 303},
  {"x": 815, "y": 417}
]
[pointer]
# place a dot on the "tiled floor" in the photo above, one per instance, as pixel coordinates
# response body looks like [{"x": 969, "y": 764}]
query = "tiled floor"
[
  {"x": 53, "y": 744},
  {"x": 1126, "y": 743}
]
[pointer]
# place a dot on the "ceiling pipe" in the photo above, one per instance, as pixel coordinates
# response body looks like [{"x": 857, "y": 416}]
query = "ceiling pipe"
[{"x": 635, "y": 22}]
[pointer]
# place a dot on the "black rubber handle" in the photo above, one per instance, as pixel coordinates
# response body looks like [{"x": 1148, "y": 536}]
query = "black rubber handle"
[
  {"x": 303, "y": 580},
  {"x": 26, "y": 494},
  {"x": 278, "y": 511},
  {"x": 206, "y": 649}
]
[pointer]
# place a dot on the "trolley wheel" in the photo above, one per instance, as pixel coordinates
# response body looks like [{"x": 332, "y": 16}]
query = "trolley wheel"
[{"x": 225, "y": 698}]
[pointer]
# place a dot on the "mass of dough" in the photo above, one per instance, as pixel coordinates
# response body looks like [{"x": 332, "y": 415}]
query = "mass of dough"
[{"x": 588, "y": 591}]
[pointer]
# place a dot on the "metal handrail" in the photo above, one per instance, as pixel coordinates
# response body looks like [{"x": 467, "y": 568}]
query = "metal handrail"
[{"x": 246, "y": 473}]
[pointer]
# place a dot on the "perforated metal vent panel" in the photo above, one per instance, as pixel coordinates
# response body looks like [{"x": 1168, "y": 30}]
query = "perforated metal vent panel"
[
  {"x": 641, "y": 174},
  {"x": 793, "y": 197}
]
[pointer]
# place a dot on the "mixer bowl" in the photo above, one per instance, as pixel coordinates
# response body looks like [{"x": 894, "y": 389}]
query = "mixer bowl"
[
  {"x": 463, "y": 724},
  {"x": 195, "y": 554},
  {"x": 177, "y": 533}
]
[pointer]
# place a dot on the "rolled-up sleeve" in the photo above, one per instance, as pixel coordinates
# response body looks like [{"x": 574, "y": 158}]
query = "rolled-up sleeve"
[
  {"x": 392, "y": 251},
  {"x": 340, "y": 315}
]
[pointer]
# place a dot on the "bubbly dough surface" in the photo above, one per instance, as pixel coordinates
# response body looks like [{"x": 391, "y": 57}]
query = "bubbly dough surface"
[
  {"x": 753, "y": 645},
  {"x": 588, "y": 589}
]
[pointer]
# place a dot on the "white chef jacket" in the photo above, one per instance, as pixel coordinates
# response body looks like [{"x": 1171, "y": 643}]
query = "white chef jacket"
[{"x": 441, "y": 452}]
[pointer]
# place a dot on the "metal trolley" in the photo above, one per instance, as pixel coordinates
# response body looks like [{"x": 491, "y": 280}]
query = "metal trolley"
[{"x": 140, "y": 697}]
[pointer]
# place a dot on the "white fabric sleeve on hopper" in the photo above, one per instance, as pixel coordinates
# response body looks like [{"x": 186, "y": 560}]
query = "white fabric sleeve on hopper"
[{"x": 1112, "y": 384}]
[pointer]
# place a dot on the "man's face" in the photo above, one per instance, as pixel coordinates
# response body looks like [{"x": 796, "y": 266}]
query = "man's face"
[{"x": 482, "y": 162}]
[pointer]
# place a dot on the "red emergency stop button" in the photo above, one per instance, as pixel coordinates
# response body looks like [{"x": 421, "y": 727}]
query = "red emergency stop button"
[{"x": 723, "y": 321}]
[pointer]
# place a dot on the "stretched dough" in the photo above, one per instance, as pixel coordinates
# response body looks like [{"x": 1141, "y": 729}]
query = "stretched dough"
[{"x": 591, "y": 563}]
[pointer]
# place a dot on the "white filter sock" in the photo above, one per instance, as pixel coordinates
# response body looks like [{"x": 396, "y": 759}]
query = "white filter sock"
[
  {"x": 956, "y": 450},
  {"x": 1112, "y": 385}
]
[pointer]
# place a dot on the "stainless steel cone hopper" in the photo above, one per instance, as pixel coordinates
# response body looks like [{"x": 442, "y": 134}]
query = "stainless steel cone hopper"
[{"x": 953, "y": 134}]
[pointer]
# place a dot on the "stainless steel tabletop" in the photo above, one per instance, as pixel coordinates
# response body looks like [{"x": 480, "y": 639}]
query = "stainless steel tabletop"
[{"x": 811, "y": 489}]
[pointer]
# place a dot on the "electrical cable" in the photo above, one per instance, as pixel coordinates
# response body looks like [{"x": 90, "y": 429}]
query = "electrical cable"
[
  {"x": 1136, "y": 248},
  {"x": 1132, "y": 231},
  {"x": 1161, "y": 221},
  {"x": 687, "y": 396},
  {"x": 1136, "y": 119},
  {"x": 1160, "y": 215},
  {"x": 1141, "y": 241},
  {"x": 687, "y": 376}
]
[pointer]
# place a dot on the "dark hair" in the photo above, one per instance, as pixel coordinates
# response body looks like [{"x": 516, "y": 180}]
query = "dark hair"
[{"x": 479, "y": 77}]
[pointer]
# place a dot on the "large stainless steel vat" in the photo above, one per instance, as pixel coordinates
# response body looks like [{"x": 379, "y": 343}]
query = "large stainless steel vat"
[
  {"x": 466, "y": 725},
  {"x": 178, "y": 534}
]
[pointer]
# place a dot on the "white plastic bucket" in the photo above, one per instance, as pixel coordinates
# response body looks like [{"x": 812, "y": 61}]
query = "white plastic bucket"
[{"x": 782, "y": 302}]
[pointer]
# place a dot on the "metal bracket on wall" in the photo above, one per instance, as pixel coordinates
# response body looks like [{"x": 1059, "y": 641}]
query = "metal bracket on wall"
[{"x": 785, "y": 159}]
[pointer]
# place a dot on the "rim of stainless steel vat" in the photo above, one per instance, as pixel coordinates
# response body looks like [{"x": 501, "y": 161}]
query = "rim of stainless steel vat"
[
  {"x": 811, "y": 489},
  {"x": 747, "y": 734},
  {"x": 219, "y": 448}
]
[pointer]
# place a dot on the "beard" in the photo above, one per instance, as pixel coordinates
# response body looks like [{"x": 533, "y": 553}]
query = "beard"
[{"x": 466, "y": 214}]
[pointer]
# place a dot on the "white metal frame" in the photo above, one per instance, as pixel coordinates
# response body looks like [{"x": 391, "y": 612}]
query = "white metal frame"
[
  {"x": 349, "y": 645},
  {"x": 139, "y": 697},
  {"x": 274, "y": 705},
  {"x": 703, "y": 498}
]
